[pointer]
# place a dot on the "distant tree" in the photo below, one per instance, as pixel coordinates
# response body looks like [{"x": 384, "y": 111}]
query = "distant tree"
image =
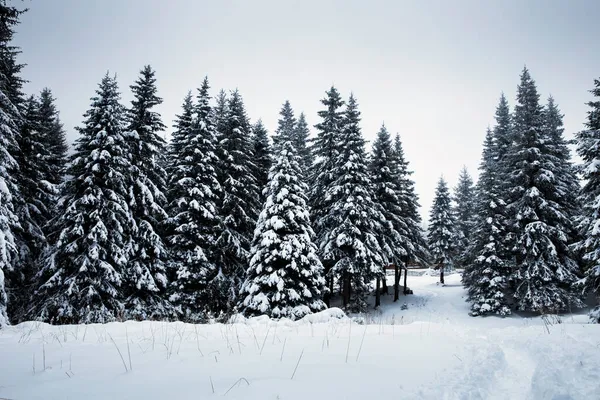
[
  {"x": 262, "y": 155},
  {"x": 286, "y": 126},
  {"x": 301, "y": 142},
  {"x": 326, "y": 149},
  {"x": 588, "y": 148},
  {"x": 54, "y": 137},
  {"x": 83, "y": 275},
  {"x": 464, "y": 210},
  {"x": 183, "y": 125},
  {"x": 442, "y": 234},
  {"x": 145, "y": 279},
  {"x": 486, "y": 276},
  {"x": 353, "y": 218},
  {"x": 542, "y": 223},
  {"x": 285, "y": 275},
  {"x": 193, "y": 217}
]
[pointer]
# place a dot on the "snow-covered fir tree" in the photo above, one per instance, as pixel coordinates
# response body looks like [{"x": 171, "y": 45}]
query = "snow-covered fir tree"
[
  {"x": 10, "y": 122},
  {"x": 542, "y": 224},
  {"x": 53, "y": 134},
  {"x": 240, "y": 201},
  {"x": 262, "y": 154},
  {"x": 183, "y": 125},
  {"x": 464, "y": 211},
  {"x": 588, "y": 148},
  {"x": 410, "y": 206},
  {"x": 284, "y": 278},
  {"x": 441, "y": 234},
  {"x": 353, "y": 218},
  {"x": 301, "y": 142},
  {"x": 326, "y": 149},
  {"x": 486, "y": 276},
  {"x": 193, "y": 220},
  {"x": 286, "y": 126},
  {"x": 82, "y": 277},
  {"x": 145, "y": 280}
]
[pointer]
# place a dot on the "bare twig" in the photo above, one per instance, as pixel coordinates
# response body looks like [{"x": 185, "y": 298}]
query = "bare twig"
[
  {"x": 237, "y": 383},
  {"x": 361, "y": 342},
  {"x": 283, "y": 349},
  {"x": 298, "y": 363},
  {"x": 121, "y": 355}
]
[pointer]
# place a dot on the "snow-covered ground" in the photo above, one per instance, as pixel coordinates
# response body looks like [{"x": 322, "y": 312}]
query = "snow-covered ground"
[{"x": 431, "y": 350}]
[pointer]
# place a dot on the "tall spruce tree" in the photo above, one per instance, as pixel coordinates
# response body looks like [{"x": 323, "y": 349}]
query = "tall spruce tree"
[
  {"x": 10, "y": 123},
  {"x": 262, "y": 155},
  {"x": 240, "y": 202},
  {"x": 326, "y": 149},
  {"x": 542, "y": 224},
  {"x": 286, "y": 126},
  {"x": 486, "y": 276},
  {"x": 410, "y": 205},
  {"x": 442, "y": 234},
  {"x": 54, "y": 137},
  {"x": 302, "y": 144},
  {"x": 145, "y": 280},
  {"x": 284, "y": 278},
  {"x": 193, "y": 192},
  {"x": 82, "y": 278},
  {"x": 588, "y": 148},
  {"x": 183, "y": 125},
  {"x": 353, "y": 218},
  {"x": 464, "y": 211}
]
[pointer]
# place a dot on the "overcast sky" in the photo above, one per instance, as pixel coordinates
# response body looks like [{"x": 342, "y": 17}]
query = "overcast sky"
[{"x": 431, "y": 70}]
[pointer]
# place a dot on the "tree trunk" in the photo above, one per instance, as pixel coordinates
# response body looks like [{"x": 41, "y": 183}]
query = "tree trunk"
[
  {"x": 405, "y": 275},
  {"x": 329, "y": 292},
  {"x": 384, "y": 287},
  {"x": 378, "y": 293},
  {"x": 346, "y": 285},
  {"x": 396, "y": 282},
  {"x": 442, "y": 274}
]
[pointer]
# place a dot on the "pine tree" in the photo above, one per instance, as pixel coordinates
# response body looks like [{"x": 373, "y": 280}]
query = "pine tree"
[
  {"x": 486, "y": 276},
  {"x": 410, "y": 206},
  {"x": 240, "y": 201},
  {"x": 394, "y": 235},
  {"x": 145, "y": 280},
  {"x": 285, "y": 275},
  {"x": 286, "y": 126},
  {"x": 10, "y": 121},
  {"x": 194, "y": 191},
  {"x": 464, "y": 211},
  {"x": 183, "y": 125},
  {"x": 326, "y": 149},
  {"x": 442, "y": 234},
  {"x": 262, "y": 155},
  {"x": 588, "y": 148},
  {"x": 353, "y": 217},
  {"x": 301, "y": 142},
  {"x": 82, "y": 278},
  {"x": 542, "y": 225},
  {"x": 54, "y": 137}
]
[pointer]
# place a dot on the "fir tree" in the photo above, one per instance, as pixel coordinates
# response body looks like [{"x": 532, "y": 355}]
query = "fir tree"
[
  {"x": 194, "y": 191},
  {"x": 54, "y": 137},
  {"x": 464, "y": 211},
  {"x": 486, "y": 276},
  {"x": 10, "y": 121},
  {"x": 82, "y": 278},
  {"x": 301, "y": 142},
  {"x": 285, "y": 275},
  {"x": 239, "y": 204},
  {"x": 326, "y": 150},
  {"x": 588, "y": 148},
  {"x": 442, "y": 235},
  {"x": 353, "y": 218},
  {"x": 183, "y": 125},
  {"x": 542, "y": 225},
  {"x": 262, "y": 154},
  {"x": 286, "y": 126},
  {"x": 410, "y": 205},
  {"x": 145, "y": 278}
]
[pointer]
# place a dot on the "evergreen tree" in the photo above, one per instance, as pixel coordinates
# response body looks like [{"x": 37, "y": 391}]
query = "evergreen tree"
[
  {"x": 542, "y": 224},
  {"x": 262, "y": 154},
  {"x": 285, "y": 275},
  {"x": 301, "y": 142},
  {"x": 239, "y": 204},
  {"x": 145, "y": 278},
  {"x": 220, "y": 111},
  {"x": 326, "y": 150},
  {"x": 588, "y": 148},
  {"x": 193, "y": 193},
  {"x": 183, "y": 125},
  {"x": 464, "y": 211},
  {"x": 442, "y": 234},
  {"x": 410, "y": 205},
  {"x": 286, "y": 126},
  {"x": 54, "y": 137},
  {"x": 353, "y": 218},
  {"x": 82, "y": 277},
  {"x": 486, "y": 276},
  {"x": 10, "y": 121}
]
